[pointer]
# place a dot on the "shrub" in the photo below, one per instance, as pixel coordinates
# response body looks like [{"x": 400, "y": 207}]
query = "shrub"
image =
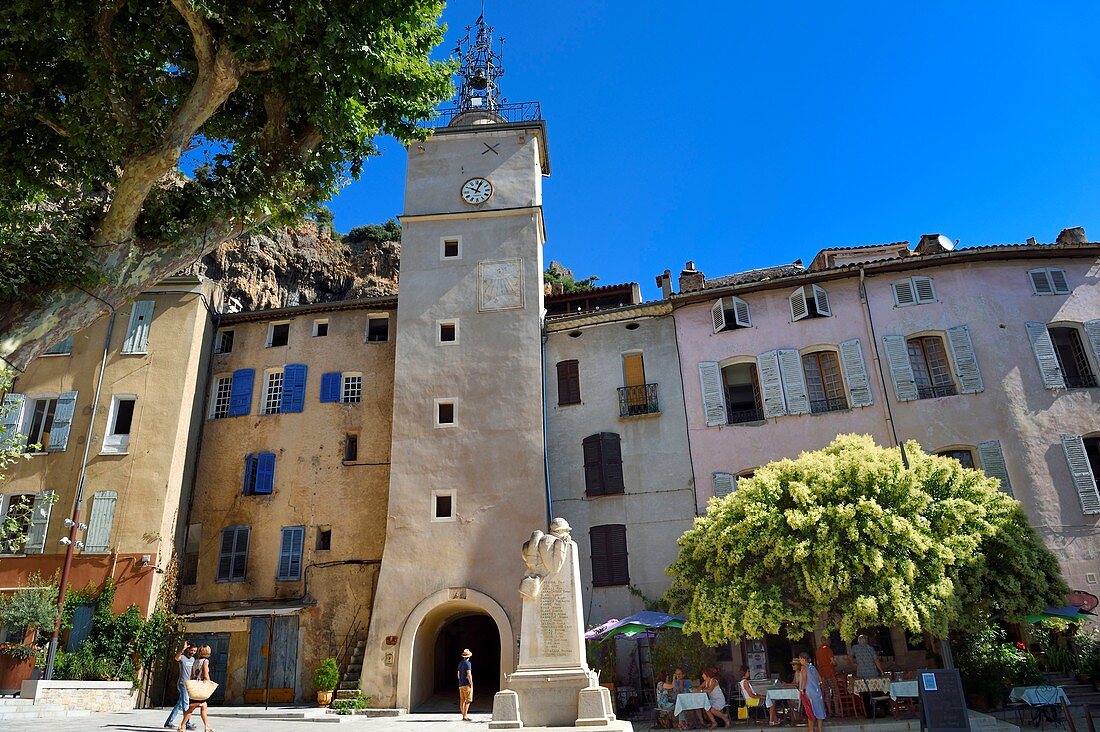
[
  {"x": 989, "y": 665},
  {"x": 327, "y": 675},
  {"x": 347, "y": 706}
]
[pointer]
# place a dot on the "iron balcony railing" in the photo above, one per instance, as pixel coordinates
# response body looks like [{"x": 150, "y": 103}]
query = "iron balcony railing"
[
  {"x": 637, "y": 400},
  {"x": 502, "y": 113},
  {"x": 940, "y": 390},
  {"x": 818, "y": 406},
  {"x": 1082, "y": 381},
  {"x": 740, "y": 416}
]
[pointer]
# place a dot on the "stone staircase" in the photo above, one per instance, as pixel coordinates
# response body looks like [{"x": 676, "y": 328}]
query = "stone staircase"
[
  {"x": 349, "y": 684},
  {"x": 25, "y": 709},
  {"x": 1079, "y": 694}
]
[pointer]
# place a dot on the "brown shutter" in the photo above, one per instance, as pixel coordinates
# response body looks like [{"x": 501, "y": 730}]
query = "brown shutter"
[
  {"x": 601, "y": 573},
  {"x": 569, "y": 383},
  {"x": 593, "y": 465},
  {"x": 609, "y": 555},
  {"x": 612, "y": 459}
]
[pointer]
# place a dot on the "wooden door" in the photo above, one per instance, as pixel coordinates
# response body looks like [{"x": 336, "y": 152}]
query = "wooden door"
[
  {"x": 634, "y": 379},
  {"x": 219, "y": 659},
  {"x": 284, "y": 660}
]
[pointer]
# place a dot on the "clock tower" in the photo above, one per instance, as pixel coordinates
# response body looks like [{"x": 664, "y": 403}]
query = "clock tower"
[{"x": 467, "y": 477}]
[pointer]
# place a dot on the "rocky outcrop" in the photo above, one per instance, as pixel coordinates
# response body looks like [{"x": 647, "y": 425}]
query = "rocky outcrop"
[{"x": 300, "y": 266}]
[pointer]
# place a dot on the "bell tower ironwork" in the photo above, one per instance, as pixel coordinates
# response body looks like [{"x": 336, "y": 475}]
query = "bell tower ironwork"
[{"x": 480, "y": 68}]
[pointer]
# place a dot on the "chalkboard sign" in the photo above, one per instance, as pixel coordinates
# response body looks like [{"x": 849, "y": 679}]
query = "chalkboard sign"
[{"x": 942, "y": 703}]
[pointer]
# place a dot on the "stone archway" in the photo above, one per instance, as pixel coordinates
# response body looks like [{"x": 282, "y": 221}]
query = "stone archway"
[{"x": 420, "y": 641}]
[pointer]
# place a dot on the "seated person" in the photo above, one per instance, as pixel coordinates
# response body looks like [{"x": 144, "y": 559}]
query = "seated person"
[{"x": 752, "y": 699}]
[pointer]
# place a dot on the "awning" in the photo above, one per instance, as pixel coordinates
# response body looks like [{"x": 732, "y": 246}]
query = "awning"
[
  {"x": 1069, "y": 612},
  {"x": 243, "y": 612}
]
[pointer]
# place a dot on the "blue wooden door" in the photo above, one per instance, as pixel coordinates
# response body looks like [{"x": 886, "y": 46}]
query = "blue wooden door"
[
  {"x": 219, "y": 659},
  {"x": 284, "y": 660},
  {"x": 82, "y": 626}
]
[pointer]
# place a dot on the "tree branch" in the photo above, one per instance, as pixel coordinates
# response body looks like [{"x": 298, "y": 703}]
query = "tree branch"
[
  {"x": 51, "y": 124},
  {"x": 202, "y": 38}
]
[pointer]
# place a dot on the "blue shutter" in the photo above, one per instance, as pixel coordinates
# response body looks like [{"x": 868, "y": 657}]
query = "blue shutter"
[
  {"x": 290, "y": 553},
  {"x": 248, "y": 485},
  {"x": 62, "y": 421},
  {"x": 330, "y": 387},
  {"x": 61, "y": 348},
  {"x": 240, "y": 394},
  {"x": 294, "y": 388},
  {"x": 265, "y": 473},
  {"x": 137, "y": 332}
]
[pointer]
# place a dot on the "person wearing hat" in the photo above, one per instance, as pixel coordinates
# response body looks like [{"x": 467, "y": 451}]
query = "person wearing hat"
[{"x": 465, "y": 684}]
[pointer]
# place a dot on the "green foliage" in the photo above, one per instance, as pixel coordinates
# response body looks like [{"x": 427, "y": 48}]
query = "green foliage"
[
  {"x": 33, "y": 606},
  {"x": 20, "y": 651},
  {"x": 348, "y": 706},
  {"x": 327, "y": 675},
  {"x": 602, "y": 656},
  {"x": 673, "y": 649},
  {"x": 13, "y": 524},
  {"x": 1089, "y": 655},
  {"x": 848, "y": 535},
  {"x": 323, "y": 216},
  {"x": 372, "y": 235},
  {"x": 554, "y": 276},
  {"x": 989, "y": 665}
]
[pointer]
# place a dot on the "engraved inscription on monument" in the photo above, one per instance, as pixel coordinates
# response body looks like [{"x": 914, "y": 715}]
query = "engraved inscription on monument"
[{"x": 554, "y": 604}]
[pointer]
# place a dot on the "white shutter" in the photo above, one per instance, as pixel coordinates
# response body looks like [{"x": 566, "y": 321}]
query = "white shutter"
[
  {"x": 1083, "y": 479},
  {"x": 137, "y": 332},
  {"x": 771, "y": 386},
  {"x": 794, "y": 381},
  {"x": 821, "y": 301},
  {"x": 11, "y": 416},
  {"x": 1092, "y": 330},
  {"x": 966, "y": 363},
  {"x": 1040, "y": 282},
  {"x": 1043, "y": 346},
  {"x": 798, "y": 304},
  {"x": 741, "y": 312},
  {"x": 1058, "y": 281},
  {"x": 993, "y": 463},
  {"x": 723, "y": 484},
  {"x": 855, "y": 374},
  {"x": 714, "y": 400},
  {"x": 897, "y": 356},
  {"x": 923, "y": 287},
  {"x": 98, "y": 537},
  {"x": 718, "y": 315},
  {"x": 903, "y": 292},
  {"x": 40, "y": 521}
]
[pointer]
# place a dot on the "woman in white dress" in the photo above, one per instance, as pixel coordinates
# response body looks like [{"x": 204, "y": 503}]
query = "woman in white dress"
[{"x": 713, "y": 690}]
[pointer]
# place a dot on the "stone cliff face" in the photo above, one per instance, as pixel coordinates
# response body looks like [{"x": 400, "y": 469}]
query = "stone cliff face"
[{"x": 300, "y": 266}]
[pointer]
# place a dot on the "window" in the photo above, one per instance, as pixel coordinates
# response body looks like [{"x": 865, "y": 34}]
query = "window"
[
  {"x": 378, "y": 328},
  {"x": 450, "y": 247},
  {"x": 233, "y": 557},
  {"x": 636, "y": 396},
  {"x": 603, "y": 464},
  {"x": 443, "y": 505},
  {"x": 61, "y": 348},
  {"x": 609, "y": 557},
  {"x": 352, "y": 389},
  {"x": 100, "y": 518},
  {"x": 569, "y": 383},
  {"x": 320, "y": 328},
  {"x": 931, "y": 369},
  {"x": 964, "y": 456},
  {"x": 189, "y": 572},
  {"x": 823, "y": 382},
  {"x": 444, "y": 412},
  {"x": 351, "y": 448},
  {"x": 220, "y": 396},
  {"x": 278, "y": 334},
  {"x": 448, "y": 332},
  {"x": 913, "y": 291},
  {"x": 120, "y": 420},
  {"x": 137, "y": 331},
  {"x": 290, "y": 554},
  {"x": 729, "y": 313},
  {"x": 259, "y": 474},
  {"x": 17, "y": 509},
  {"x": 223, "y": 341},
  {"x": 1083, "y": 457},
  {"x": 41, "y": 413},
  {"x": 273, "y": 392},
  {"x": 1048, "y": 281},
  {"x": 809, "y": 301},
  {"x": 324, "y": 539},
  {"x": 742, "y": 390},
  {"x": 1072, "y": 358}
]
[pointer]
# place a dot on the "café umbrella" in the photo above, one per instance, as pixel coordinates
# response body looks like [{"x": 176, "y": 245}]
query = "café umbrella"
[{"x": 646, "y": 621}]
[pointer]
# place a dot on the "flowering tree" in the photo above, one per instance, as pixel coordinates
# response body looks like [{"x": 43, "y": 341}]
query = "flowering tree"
[{"x": 849, "y": 536}]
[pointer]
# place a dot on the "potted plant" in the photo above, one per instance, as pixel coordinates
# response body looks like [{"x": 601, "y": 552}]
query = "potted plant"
[
  {"x": 31, "y": 608},
  {"x": 17, "y": 661},
  {"x": 325, "y": 679}
]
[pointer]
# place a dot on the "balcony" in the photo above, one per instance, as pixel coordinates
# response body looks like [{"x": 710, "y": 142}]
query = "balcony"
[
  {"x": 736, "y": 414},
  {"x": 500, "y": 114},
  {"x": 635, "y": 401}
]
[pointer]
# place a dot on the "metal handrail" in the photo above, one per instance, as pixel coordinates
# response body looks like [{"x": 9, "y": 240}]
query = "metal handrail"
[
  {"x": 350, "y": 639},
  {"x": 501, "y": 114},
  {"x": 638, "y": 400}
]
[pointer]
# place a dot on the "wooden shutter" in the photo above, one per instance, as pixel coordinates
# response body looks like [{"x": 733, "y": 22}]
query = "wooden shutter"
[
  {"x": 593, "y": 465},
  {"x": 855, "y": 374},
  {"x": 569, "y": 382},
  {"x": 1040, "y": 282},
  {"x": 1043, "y": 347},
  {"x": 330, "y": 387},
  {"x": 633, "y": 370},
  {"x": 1058, "y": 281},
  {"x": 40, "y": 521},
  {"x": 993, "y": 463},
  {"x": 723, "y": 484},
  {"x": 11, "y": 416},
  {"x": 601, "y": 572},
  {"x": 771, "y": 385},
  {"x": 897, "y": 356},
  {"x": 102, "y": 515},
  {"x": 794, "y": 381},
  {"x": 248, "y": 480},
  {"x": 821, "y": 301},
  {"x": 62, "y": 422},
  {"x": 718, "y": 315},
  {"x": 225, "y": 554},
  {"x": 611, "y": 459},
  {"x": 240, "y": 553},
  {"x": 922, "y": 286},
  {"x": 1092, "y": 330},
  {"x": 741, "y": 313},
  {"x": 265, "y": 473},
  {"x": 290, "y": 553},
  {"x": 137, "y": 331},
  {"x": 798, "y": 304},
  {"x": 903, "y": 292},
  {"x": 240, "y": 393},
  {"x": 1083, "y": 479},
  {"x": 609, "y": 555},
  {"x": 966, "y": 363},
  {"x": 293, "y": 398},
  {"x": 714, "y": 398}
]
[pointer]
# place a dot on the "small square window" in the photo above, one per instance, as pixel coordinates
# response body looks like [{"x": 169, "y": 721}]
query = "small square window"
[
  {"x": 1090, "y": 578},
  {"x": 278, "y": 334},
  {"x": 324, "y": 538},
  {"x": 223, "y": 342},
  {"x": 448, "y": 332},
  {"x": 450, "y": 248},
  {"x": 320, "y": 328},
  {"x": 378, "y": 328},
  {"x": 351, "y": 448},
  {"x": 443, "y": 505},
  {"x": 444, "y": 412}
]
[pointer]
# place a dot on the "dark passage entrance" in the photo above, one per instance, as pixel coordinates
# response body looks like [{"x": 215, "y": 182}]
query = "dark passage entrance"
[{"x": 478, "y": 633}]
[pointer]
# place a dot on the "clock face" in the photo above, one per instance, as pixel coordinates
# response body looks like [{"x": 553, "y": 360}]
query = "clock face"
[{"x": 476, "y": 190}]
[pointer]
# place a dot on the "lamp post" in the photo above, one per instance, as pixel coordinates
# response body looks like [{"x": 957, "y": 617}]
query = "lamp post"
[{"x": 71, "y": 544}]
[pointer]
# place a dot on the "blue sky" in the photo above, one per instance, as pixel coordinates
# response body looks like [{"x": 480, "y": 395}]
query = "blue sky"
[{"x": 746, "y": 134}]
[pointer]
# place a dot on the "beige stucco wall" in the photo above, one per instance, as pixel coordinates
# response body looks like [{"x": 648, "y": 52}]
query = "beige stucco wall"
[{"x": 313, "y": 486}]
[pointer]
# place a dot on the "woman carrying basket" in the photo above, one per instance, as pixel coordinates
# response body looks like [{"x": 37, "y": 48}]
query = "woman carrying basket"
[{"x": 199, "y": 688}]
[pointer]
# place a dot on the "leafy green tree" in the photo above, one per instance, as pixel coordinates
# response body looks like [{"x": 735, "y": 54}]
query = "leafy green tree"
[
  {"x": 554, "y": 276},
  {"x": 138, "y": 135},
  {"x": 849, "y": 536},
  {"x": 362, "y": 237}
]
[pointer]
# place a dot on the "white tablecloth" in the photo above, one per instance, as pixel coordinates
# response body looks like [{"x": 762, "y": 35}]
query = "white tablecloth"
[
  {"x": 780, "y": 693},
  {"x": 690, "y": 701},
  {"x": 1033, "y": 696},
  {"x": 904, "y": 688}
]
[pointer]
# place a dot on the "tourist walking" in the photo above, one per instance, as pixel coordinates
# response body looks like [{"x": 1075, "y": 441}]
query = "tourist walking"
[
  {"x": 465, "y": 684},
  {"x": 186, "y": 659},
  {"x": 809, "y": 688},
  {"x": 200, "y": 671},
  {"x": 867, "y": 667}
]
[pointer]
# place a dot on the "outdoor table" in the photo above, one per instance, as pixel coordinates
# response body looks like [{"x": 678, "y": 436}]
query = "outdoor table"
[
  {"x": 689, "y": 700},
  {"x": 904, "y": 688},
  {"x": 780, "y": 692},
  {"x": 1031, "y": 695},
  {"x": 870, "y": 686}
]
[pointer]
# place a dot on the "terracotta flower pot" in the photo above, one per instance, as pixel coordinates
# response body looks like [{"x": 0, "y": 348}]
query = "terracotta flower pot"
[
  {"x": 324, "y": 698},
  {"x": 14, "y": 671}
]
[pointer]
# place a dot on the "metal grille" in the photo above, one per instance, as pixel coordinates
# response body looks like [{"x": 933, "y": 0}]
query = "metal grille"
[
  {"x": 737, "y": 416},
  {"x": 353, "y": 389},
  {"x": 635, "y": 400},
  {"x": 221, "y": 397},
  {"x": 931, "y": 369},
  {"x": 504, "y": 113},
  {"x": 1072, "y": 358},
  {"x": 273, "y": 394},
  {"x": 823, "y": 383}
]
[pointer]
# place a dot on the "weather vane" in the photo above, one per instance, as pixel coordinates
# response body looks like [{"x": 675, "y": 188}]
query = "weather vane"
[{"x": 480, "y": 67}]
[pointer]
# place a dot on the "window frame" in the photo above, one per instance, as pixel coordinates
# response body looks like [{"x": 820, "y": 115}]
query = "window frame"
[
  {"x": 912, "y": 282},
  {"x": 318, "y": 323},
  {"x": 377, "y": 317},
  {"x": 932, "y": 390},
  {"x": 443, "y": 241},
  {"x": 270, "y": 343},
  {"x": 113, "y": 442},
  {"x": 347, "y": 378},
  {"x": 754, "y": 383},
  {"x": 215, "y": 393},
  {"x": 453, "y": 401},
  {"x": 601, "y": 477},
  {"x": 219, "y": 341},
  {"x": 322, "y": 530},
  {"x": 30, "y": 402},
  {"x": 841, "y": 384},
  {"x": 265, "y": 399},
  {"x": 452, "y": 495},
  {"x": 233, "y": 554},
  {"x": 439, "y": 332},
  {"x": 971, "y": 450},
  {"x": 5, "y": 506},
  {"x": 351, "y": 438},
  {"x": 1085, "y": 356},
  {"x": 56, "y": 349},
  {"x": 1048, "y": 277}
]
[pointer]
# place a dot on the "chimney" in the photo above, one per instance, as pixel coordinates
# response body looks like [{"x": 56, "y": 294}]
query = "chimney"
[
  {"x": 1074, "y": 236},
  {"x": 934, "y": 244},
  {"x": 1031, "y": 241},
  {"x": 664, "y": 281},
  {"x": 690, "y": 278}
]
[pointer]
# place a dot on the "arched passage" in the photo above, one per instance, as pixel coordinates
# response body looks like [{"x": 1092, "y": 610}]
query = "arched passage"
[{"x": 477, "y": 632}]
